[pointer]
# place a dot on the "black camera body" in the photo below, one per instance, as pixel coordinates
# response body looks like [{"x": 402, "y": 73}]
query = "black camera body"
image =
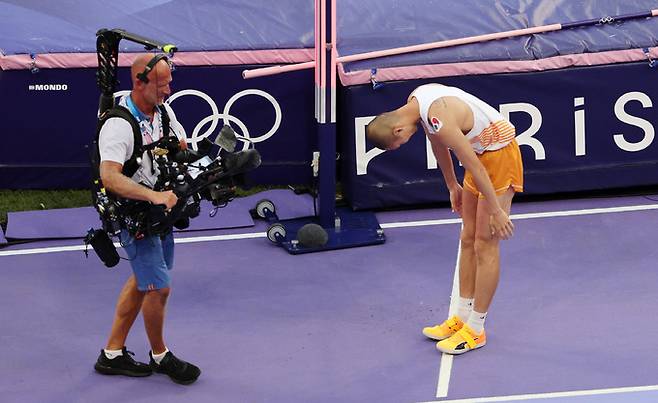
[
  {"x": 180, "y": 171},
  {"x": 192, "y": 176}
]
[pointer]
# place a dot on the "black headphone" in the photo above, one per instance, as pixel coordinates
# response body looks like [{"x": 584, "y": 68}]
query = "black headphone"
[{"x": 149, "y": 66}]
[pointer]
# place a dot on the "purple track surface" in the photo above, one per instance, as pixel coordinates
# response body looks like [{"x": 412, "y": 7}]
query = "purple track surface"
[
  {"x": 74, "y": 222},
  {"x": 344, "y": 326},
  {"x": 55, "y": 223}
]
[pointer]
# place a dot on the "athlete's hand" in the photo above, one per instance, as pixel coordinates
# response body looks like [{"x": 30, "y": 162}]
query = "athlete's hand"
[
  {"x": 456, "y": 199},
  {"x": 501, "y": 225},
  {"x": 168, "y": 198}
]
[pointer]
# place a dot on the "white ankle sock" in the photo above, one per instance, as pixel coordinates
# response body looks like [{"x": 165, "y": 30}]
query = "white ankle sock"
[
  {"x": 158, "y": 357},
  {"x": 113, "y": 353},
  {"x": 476, "y": 321},
  {"x": 464, "y": 308}
]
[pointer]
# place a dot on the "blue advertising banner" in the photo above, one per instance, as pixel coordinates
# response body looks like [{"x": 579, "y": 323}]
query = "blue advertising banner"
[
  {"x": 579, "y": 129},
  {"x": 48, "y": 118}
]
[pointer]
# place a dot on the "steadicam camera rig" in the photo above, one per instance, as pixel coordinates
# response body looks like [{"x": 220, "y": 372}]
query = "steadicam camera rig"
[{"x": 209, "y": 173}]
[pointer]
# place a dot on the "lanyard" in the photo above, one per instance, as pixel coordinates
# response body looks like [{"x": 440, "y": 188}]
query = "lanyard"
[{"x": 144, "y": 122}]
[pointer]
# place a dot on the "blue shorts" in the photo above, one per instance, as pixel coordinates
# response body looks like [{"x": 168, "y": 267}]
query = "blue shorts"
[{"x": 151, "y": 259}]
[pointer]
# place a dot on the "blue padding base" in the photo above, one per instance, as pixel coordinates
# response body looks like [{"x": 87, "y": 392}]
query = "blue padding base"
[{"x": 356, "y": 229}]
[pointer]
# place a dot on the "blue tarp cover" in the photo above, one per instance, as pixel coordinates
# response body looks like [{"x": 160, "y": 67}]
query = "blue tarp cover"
[
  {"x": 369, "y": 25},
  {"x": 47, "y": 26},
  {"x": 42, "y": 26}
]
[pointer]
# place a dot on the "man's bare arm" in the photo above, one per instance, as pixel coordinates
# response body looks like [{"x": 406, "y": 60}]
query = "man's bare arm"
[
  {"x": 462, "y": 149},
  {"x": 449, "y": 111},
  {"x": 442, "y": 154},
  {"x": 500, "y": 223},
  {"x": 452, "y": 137},
  {"x": 116, "y": 182}
]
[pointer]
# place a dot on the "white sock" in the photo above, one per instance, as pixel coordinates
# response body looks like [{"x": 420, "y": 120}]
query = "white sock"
[
  {"x": 158, "y": 357},
  {"x": 476, "y": 321},
  {"x": 113, "y": 353},
  {"x": 464, "y": 308}
]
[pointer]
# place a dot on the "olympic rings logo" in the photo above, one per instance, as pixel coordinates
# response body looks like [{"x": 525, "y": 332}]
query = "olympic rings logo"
[
  {"x": 606, "y": 20},
  {"x": 225, "y": 116}
]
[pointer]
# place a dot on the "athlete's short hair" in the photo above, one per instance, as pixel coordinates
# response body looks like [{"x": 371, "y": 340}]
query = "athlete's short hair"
[{"x": 380, "y": 130}]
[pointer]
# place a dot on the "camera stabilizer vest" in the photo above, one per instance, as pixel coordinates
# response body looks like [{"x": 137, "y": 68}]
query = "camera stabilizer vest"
[
  {"x": 100, "y": 197},
  {"x": 130, "y": 166}
]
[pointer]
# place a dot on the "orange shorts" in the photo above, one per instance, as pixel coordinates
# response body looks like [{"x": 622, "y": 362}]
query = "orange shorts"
[{"x": 505, "y": 169}]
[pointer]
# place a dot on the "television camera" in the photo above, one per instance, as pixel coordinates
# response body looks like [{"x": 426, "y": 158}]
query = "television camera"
[{"x": 192, "y": 175}]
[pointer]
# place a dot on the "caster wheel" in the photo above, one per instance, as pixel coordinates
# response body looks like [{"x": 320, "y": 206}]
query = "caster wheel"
[
  {"x": 276, "y": 233},
  {"x": 264, "y": 208}
]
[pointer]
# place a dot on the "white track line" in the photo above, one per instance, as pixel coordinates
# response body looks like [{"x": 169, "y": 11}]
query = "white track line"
[
  {"x": 445, "y": 368},
  {"x": 552, "y": 395},
  {"x": 525, "y": 216},
  {"x": 54, "y": 249},
  {"x": 228, "y": 237},
  {"x": 249, "y": 235}
]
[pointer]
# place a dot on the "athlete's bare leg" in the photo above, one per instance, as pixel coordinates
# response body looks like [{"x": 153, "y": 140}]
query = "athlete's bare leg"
[{"x": 487, "y": 253}]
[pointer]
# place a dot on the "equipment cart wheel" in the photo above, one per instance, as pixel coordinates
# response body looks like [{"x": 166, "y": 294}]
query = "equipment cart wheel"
[
  {"x": 265, "y": 208},
  {"x": 276, "y": 233}
]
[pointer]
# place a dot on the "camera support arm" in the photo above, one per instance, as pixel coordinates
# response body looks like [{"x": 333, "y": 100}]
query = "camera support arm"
[{"x": 107, "y": 49}]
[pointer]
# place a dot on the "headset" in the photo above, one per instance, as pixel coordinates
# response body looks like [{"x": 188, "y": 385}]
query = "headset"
[{"x": 149, "y": 66}]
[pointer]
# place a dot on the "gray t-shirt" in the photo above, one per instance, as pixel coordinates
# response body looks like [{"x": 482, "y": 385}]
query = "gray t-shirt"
[{"x": 116, "y": 141}]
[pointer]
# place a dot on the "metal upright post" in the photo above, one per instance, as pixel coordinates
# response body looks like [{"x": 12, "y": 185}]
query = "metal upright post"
[
  {"x": 344, "y": 228},
  {"x": 326, "y": 105}
]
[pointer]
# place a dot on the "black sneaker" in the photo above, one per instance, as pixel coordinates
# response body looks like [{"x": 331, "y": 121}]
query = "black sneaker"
[
  {"x": 178, "y": 370},
  {"x": 122, "y": 365}
]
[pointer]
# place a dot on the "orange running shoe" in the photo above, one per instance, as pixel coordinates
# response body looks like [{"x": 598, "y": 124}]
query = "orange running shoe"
[
  {"x": 445, "y": 329},
  {"x": 464, "y": 340}
]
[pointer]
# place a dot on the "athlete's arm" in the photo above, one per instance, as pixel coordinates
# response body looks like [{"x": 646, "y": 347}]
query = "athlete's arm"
[
  {"x": 444, "y": 159},
  {"x": 451, "y": 136}
]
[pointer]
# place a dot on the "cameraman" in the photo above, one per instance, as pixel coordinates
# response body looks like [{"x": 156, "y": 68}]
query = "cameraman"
[{"x": 152, "y": 257}]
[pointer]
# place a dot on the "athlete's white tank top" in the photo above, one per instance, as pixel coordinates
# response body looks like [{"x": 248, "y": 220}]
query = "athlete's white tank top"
[{"x": 490, "y": 130}]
